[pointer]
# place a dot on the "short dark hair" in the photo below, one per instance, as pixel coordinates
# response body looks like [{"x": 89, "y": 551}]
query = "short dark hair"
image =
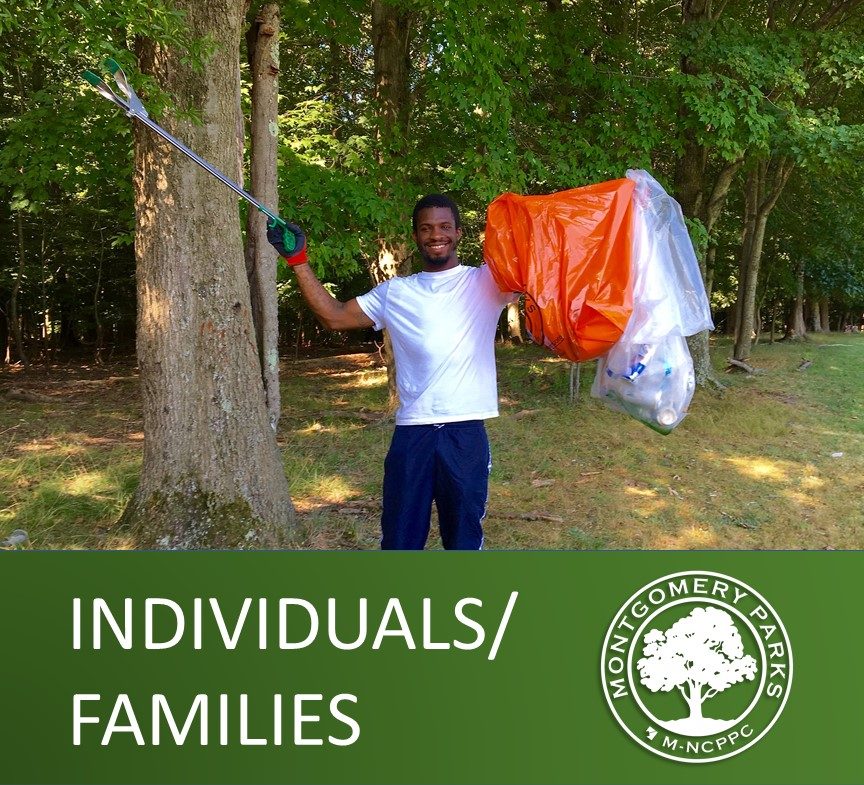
[{"x": 436, "y": 200}]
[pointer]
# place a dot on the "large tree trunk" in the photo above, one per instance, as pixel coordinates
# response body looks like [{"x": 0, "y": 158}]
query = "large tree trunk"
[
  {"x": 212, "y": 476},
  {"x": 261, "y": 258},
  {"x": 815, "y": 316},
  {"x": 391, "y": 37},
  {"x": 765, "y": 183},
  {"x": 698, "y": 198},
  {"x": 796, "y": 327},
  {"x": 824, "y": 311}
]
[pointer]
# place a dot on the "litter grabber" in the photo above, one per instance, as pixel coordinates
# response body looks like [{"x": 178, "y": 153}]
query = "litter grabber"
[{"x": 133, "y": 107}]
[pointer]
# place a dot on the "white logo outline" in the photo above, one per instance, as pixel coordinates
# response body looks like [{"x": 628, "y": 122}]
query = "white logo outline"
[{"x": 644, "y": 590}]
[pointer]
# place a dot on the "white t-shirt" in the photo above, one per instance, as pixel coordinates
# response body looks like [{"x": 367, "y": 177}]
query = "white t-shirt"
[{"x": 442, "y": 325}]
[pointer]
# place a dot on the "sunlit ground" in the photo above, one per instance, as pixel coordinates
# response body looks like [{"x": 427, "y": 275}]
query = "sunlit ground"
[{"x": 777, "y": 462}]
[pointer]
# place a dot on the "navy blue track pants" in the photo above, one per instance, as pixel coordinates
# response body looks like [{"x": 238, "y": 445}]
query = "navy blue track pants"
[{"x": 448, "y": 464}]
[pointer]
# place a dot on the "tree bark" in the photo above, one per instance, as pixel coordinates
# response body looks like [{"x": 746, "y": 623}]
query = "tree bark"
[
  {"x": 815, "y": 316},
  {"x": 261, "y": 258},
  {"x": 391, "y": 38},
  {"x": 212, "y": 476},
  {"x": 97, "y": 294},
  {"x": 765, "y": 183},
  {"x": 824, "y": 311},
  {"x": 14, "y": 319},
  {"x": 514, "y": 323},
  {"x": 796, "y": 328},
  {"x": 698, "y": 198}
]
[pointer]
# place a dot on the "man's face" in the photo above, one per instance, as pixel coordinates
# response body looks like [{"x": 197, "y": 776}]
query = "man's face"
[{"x": 437, "y": 238}]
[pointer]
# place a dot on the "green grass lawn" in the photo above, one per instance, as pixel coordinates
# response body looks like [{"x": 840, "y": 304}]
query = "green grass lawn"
[{"x": 775, "y": 462}]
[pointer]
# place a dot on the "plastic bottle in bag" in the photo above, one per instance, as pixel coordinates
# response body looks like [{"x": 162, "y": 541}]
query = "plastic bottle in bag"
[{"x": 653, "y": 383}]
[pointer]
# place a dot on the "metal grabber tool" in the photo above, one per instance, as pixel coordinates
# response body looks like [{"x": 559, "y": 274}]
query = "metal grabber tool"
[{"x": 134, "y": 108}]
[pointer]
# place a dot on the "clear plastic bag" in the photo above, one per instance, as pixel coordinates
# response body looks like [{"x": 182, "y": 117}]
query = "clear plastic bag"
[
  {"x": 648, "y": 373},
  {"x": 653, "y": 383}
]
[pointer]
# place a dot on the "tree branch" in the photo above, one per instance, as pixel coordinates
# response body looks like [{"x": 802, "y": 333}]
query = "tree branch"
[
  {"x": 720, "y": 191},
  {"x": 799, "y": 12},
  {"x": 842, "y": 9},
  {"x": 716, "y": 15}
]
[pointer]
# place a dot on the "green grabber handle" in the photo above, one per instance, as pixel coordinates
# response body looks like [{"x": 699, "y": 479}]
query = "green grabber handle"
[{"x": 287, "y": 234}]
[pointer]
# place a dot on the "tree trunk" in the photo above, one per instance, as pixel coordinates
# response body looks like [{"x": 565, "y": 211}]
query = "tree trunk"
[
  {"x": 824, "y": 311},
  {"x": 694, "y": 703},
  {"x": 796, "y": 329},
  {"x": 697, "y": 198},
  {"x": 261, "y": 258},
  {"x": 815, "y": 316},
  {"x": 212, "y": 476},
  {"x": 14, "y": 319},
  {"x": 514, "y": 323},
  {"x": 765, "y": 183},
  {"x": 391, "y": 37},
  {"x": 749, "y": 275},
  {"x": 391, "y": 262},
  {"x": 773, "y": 319},
  {"x": 97, "y": 292}
]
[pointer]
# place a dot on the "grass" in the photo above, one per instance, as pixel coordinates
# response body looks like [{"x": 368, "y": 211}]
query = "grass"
[{"x": 758, "y": 467}]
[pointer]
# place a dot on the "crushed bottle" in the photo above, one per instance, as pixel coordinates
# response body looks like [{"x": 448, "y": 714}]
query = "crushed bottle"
[{"x": 653, "y": 383}]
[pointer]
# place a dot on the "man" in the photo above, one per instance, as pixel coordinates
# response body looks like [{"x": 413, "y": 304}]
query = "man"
[{"x": 442, "y": 325}]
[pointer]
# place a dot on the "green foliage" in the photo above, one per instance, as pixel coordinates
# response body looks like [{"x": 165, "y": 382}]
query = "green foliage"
[
  {"x": 66, "y": 161},
  {"x": 531, "y": 98}
]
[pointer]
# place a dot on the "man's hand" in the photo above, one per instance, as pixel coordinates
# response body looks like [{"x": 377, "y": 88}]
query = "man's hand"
[{"x": 276, "y": 238}]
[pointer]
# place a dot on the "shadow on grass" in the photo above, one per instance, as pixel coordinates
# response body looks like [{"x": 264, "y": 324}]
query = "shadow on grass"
[{"x": 776, "y": 462}]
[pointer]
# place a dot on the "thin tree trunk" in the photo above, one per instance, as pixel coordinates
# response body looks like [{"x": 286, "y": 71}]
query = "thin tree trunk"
[
  {"x": 773, "y": 318},
  {"x": 390, "y": 263},
  {"x": 261, "y": 258},
  {"x": 710, "y": 256},
  {"x": 747, "y": 289},
  {"x": 14, "y": 319},
  {"x": 514, "y": 323},
  {"x": 765, "y": 183},
  {"x": 391, "y": 37},
  {"x": 97, "y": 290},
  {"x": 212, "y": 475}
]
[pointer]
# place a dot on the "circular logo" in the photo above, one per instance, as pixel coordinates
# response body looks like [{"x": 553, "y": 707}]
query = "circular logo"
[{"x": 696, "y": 666}]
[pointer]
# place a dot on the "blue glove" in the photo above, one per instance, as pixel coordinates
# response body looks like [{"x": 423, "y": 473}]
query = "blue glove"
[{"x": 276, "y": 238}]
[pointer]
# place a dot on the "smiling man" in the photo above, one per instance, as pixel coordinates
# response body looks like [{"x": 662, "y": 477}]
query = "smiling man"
[{"x": 442, "y": 324}]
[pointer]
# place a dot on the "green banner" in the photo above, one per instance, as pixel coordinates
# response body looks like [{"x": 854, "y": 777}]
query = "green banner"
[{"x": 606, "y": 667}]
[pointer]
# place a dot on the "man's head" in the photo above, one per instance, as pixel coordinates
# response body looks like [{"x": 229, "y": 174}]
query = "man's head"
[{"x": 437, "y": 231}]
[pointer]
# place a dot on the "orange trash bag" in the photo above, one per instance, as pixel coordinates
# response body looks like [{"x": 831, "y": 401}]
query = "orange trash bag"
[{"x": 570, "y": 254}]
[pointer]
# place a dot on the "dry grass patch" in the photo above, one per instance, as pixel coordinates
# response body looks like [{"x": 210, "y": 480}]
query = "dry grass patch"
[{"x": 776, "y": 462}]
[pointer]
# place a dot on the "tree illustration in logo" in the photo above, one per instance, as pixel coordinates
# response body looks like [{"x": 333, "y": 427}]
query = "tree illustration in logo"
[{"x": 700, "y": 655}]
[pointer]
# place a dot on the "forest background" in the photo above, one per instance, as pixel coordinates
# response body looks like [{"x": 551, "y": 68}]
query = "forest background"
[{"x": 748, "y": 113}]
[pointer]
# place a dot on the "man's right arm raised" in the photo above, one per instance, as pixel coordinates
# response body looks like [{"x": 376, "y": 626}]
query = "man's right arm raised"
[{"x": 332, "y": 313}]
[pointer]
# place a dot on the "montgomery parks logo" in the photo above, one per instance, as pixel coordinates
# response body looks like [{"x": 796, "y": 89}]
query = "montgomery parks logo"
[{"x": 696, "y": 666}]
